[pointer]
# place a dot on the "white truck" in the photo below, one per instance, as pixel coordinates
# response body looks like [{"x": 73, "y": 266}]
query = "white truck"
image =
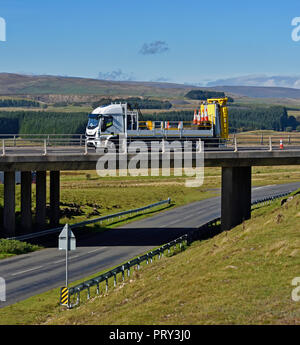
[{"x": 108, "y": 123}]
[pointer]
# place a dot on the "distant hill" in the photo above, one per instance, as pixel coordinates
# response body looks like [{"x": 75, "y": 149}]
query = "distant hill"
[
  {"x": 260, "y": 91},
  {"x": 17, "y": 84},
  {"x": 259, "y": 80}
]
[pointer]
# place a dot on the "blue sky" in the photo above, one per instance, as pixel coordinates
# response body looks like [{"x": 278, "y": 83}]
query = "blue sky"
[{"x": 174, "y": 40}]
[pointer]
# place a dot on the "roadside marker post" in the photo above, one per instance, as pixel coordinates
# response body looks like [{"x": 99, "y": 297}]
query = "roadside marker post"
[
  {"x": 66, "y": 241},
  {"x": 64, "y": 296}
]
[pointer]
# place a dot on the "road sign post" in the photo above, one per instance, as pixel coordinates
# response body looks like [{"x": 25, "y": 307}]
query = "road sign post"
[{"x": 67, "y": 241}]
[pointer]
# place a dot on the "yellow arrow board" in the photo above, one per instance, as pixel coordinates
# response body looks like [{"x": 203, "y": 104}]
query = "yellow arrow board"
[{"x": 64, "y": 296}]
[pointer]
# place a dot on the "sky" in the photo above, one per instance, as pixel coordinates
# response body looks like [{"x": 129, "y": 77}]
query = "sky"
[{"x": 183, "y": 41}]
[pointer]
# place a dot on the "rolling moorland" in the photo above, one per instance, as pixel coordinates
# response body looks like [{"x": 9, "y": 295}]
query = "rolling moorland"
[{"x": 26, "y": 101}]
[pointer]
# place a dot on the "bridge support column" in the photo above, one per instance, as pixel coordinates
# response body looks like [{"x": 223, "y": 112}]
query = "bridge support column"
[
  {"x": 9, "y": 204},
  {"x": 40, "y": 217},
  {"x": 54, "y": 197},
  {"x": 26, "y": 201},
  {"x": 236, "y": 196}
]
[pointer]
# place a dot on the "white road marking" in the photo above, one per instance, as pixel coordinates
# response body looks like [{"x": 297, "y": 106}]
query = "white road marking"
[
  {"x": 76, "y": 256},
  {"x": 95, "y": 250},
  {"x": 256, "y": 188},
  {"x": 25, "y": 271},
  {"x": 58, "y": 261}
]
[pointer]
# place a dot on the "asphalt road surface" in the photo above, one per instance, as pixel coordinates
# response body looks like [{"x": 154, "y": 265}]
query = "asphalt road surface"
[{"x": 33, "y": 273}]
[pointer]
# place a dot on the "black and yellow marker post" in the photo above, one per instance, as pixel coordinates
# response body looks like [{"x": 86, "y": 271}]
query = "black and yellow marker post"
[{"x": 64, "y": 297}]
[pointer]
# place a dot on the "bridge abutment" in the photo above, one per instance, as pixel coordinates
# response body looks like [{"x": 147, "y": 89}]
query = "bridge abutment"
[
  {"x": 26, "y": 201},
  {"x": 54, "y": 197},
  {"x": 236, "y": 196},
  {"x": 9, "y": 204},
  {"x": 40, "y": 215}
]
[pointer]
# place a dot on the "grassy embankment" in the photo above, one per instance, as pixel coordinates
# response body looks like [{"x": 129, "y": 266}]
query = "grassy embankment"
[{"x": 242, "y": 276}]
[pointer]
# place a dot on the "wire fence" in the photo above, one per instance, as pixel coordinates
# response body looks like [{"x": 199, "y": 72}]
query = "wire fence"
[{"x": 206, "y": 230}]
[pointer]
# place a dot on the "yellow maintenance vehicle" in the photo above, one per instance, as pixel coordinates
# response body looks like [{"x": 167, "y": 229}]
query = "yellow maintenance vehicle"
[{"x": 108, "y": 123}]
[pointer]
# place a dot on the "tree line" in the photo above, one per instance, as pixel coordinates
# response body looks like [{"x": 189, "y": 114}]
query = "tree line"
[
  {"x": 48, "y": 122},
  {"x": 203, "y": 95},
  {"x": 19, "y": 103},
  {"x": 135, "y": 102},
  {"x": 42, "y": 122}
]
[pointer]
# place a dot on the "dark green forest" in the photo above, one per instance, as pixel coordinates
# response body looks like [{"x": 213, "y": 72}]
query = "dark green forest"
[
  {"x": 203, "y": 95},
  {"x": 46, "y": 122},
  {"x": 136, "y": 102},
  {"x": 19, "y": 103},
  {"x": 42, "y": 122}
]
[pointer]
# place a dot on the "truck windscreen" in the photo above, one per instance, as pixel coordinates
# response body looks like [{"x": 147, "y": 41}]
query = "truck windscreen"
[{"x": 93, "y": 122}]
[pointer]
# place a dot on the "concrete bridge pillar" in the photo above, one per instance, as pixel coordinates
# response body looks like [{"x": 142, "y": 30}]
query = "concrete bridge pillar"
[
  {"x": 54, "y": 197},
  {"x": 236, "y": 196},
  {"x": 26, "y": 201},
  {"x": 9, "y": 204},
  {"x": 40, "y": 216}
]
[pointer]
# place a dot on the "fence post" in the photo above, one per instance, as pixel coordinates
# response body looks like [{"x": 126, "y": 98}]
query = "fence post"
[
  {"x": 235, "y": 144},
  {"x": 85, "y": 147},
  {"x": 138, "y": 265},
  {"x": 200, "y": 146},
  {"x": 270, "y": 144},
  {"x": 3, "y": 147},
  {"x": 128, "y": 269},
  {"x": 45, "y": 147}
]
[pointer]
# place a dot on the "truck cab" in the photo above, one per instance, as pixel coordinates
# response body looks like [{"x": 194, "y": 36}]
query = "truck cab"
[{"x": 105, "y": 123}]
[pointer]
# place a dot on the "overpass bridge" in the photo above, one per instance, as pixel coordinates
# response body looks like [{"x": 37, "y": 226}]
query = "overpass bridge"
[{"x": 235, "y": 191}]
